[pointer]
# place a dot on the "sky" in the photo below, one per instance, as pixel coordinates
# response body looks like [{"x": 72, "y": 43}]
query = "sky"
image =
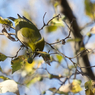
[{"x": 37, "y": 9}]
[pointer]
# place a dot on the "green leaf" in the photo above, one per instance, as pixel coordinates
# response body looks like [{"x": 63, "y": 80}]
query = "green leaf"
[
  {"x": 74, "y": 40},
  {"x": 46, "y": 56},
  {"x": 57, "y": 22},
  {"x": 3, "y": 77},
  {"x": 89, "y": 92},
  {"x": 89, "y": 7},
  {"x": 17, "y": 63},
  {"x": 90, "y": 87},
  {"x": 51, "y": 28},
  {"x": 6, "y": 21},
  {"x": 57, "y": 91},
  {"x": 54, "y": 24},
  {"x": 2, "y": 57}
]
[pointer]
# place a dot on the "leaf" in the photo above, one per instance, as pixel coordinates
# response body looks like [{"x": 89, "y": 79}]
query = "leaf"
[
  {"x": 17, "y": 63},
  {"x": 56, "y": 4},
  {"x": 89, "y": 7},
  {"x": 57, "y": 21},
  {"x": 3, "y": 77},
  {"x": 2, "y": 57},
  {"x": 74, "y": 40},
  {"x": 89, "y": 92},
  {"x": 59, "y": 58},
  {"x": 82, "y": 49},
  {"x": 57, "y": 91},
  {"x": 54, "y": 24},
  {"x": 76, "y": 86},
  {"x": 46, "y": 56},
  {"x": 89, "y": 86},
  {"x": 51, "y": 28},
  {"x": 51, "y": 76},
  {"x": 6, "y": 21}
]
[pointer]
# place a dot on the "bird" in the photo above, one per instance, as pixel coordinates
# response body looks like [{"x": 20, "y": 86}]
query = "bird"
[{"x": 28, "y": 34}]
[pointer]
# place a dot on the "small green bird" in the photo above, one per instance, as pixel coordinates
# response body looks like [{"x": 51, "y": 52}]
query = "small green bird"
[{"x": 28, "y": 33}]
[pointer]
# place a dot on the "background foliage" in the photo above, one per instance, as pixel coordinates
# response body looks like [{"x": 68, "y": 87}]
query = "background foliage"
[{"x": 69, "y": 40}]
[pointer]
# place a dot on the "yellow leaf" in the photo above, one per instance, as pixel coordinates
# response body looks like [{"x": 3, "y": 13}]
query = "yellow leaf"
[
  {"x": 29, "y": 67},
  {"x": 56, "y": 4},
  {"x": 3, "y": 77},
  {"x": 76, "y": 86},
  {"x": 59, "y": 58},
  {"x": 5, "y": 21},
  {"x": 51, "y": 28}
]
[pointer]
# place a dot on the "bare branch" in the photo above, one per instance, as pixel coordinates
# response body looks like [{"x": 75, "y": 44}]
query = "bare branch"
[
  {"x": 68, "y": 36},
  {"x": 46, "y": 24},
  {"x": 4, "y": 31},
  {"x": 8, "y": 34}
]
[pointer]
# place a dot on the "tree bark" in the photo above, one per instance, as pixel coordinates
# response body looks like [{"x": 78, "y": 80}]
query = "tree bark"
[{"x": 66, "y": 10}]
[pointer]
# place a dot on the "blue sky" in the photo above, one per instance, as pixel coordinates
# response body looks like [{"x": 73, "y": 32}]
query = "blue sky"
[{"x": 37, "y": 10}]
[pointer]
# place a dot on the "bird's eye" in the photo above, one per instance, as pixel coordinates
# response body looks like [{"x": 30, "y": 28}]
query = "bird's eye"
[{"x": 37, "y": 49}]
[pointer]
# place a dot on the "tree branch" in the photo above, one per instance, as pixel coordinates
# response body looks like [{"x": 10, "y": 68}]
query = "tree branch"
[{"x": 66, "y": 10}]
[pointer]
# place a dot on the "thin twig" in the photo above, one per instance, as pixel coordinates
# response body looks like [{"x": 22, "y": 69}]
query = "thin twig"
[
  {"x": 16, "y": 53},
  {"x": 68, "y": 36},
  {"x": 46, "y": 24},
  {"x": 8, "y": 33}
]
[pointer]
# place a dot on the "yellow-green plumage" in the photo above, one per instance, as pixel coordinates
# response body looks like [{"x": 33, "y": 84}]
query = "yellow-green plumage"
[{"x": 28, "y": 33}]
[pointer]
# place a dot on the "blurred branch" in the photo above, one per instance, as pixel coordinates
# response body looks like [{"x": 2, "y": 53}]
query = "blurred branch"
[
  {"x": 8, "y": 33},
  {"x": 68, "y": 36},
  {"x": 66, "y": 10}
]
